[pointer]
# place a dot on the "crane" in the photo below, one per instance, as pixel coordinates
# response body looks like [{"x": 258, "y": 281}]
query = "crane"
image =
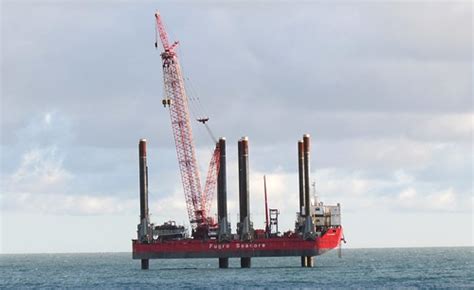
[{"x": 198, "y": 200}]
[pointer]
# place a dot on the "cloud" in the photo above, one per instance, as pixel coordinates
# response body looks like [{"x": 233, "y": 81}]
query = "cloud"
[
  {"x": 65, "y": 204},
  {"x": 376, "y": 59},
  {"x": 358, "y": 191},
  {"x": 40, "y": 170},
  {"x": 42, "y": 184},
  {"x": 381, "y": 172},
  {"x": 443, "y": 201},
  {"x": 40, "y": 167}
]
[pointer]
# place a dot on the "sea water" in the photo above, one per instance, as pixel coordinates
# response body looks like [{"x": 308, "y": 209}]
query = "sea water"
[{"x": 358, "y": 268}]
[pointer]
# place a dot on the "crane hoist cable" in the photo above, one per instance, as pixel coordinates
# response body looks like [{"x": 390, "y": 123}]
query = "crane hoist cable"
[{"x": 198, "y": 110}]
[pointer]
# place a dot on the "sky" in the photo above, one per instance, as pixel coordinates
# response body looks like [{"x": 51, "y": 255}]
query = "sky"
[{"x": 385, "y": 89}]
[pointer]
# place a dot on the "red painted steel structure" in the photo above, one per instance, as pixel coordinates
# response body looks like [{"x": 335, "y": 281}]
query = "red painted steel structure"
[
  {"x": 198, "y": 202},
  {"x": 211, "y": 181},
  {"x": 267, "y": 247},
  {"x": 267, "y": 224}
]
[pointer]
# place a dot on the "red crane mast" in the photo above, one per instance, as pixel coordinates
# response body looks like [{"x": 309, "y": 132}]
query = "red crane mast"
[{"x": 198, "y": 201}]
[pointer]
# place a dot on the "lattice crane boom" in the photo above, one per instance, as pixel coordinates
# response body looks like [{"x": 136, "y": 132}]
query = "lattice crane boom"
[
  {"x": 197, "y": 201},
  {"x": 162, "y": 34}
]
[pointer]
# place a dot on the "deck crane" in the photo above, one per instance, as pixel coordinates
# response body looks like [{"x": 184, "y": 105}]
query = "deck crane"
[{"x": 198, "y": 201}]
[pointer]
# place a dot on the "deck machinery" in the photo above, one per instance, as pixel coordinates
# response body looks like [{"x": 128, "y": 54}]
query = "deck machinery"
[{"x": 317, "y": 228}]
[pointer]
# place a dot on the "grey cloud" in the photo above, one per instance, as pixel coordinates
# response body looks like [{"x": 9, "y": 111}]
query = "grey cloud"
[{"x": 235, "y": 56}]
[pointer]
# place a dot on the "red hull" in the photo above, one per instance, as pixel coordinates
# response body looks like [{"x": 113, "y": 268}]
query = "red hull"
[{"x": 272, "y": 247}]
